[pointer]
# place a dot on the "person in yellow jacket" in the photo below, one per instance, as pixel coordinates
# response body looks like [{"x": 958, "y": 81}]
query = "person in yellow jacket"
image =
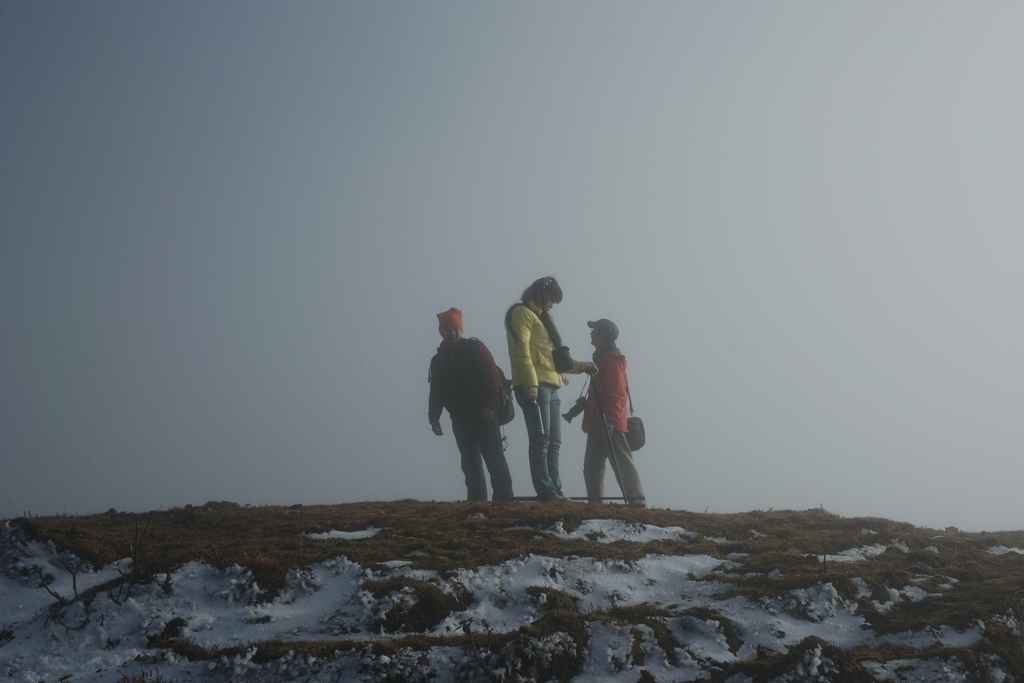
[{"x": 533, "y": 344}]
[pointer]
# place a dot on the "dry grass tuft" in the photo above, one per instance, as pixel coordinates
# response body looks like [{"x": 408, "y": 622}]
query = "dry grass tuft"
[
  {"x": 561, "y": 617},
  {"x": 723, "y": 623},
  {"x": 772, "y": 666},
  {"x": 143, "y": 677},
  {"x": 428, "y": 609}
]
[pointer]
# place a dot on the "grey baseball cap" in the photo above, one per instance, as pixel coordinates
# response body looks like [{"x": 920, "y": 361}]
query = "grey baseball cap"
[{"x": 606, "y": 326}]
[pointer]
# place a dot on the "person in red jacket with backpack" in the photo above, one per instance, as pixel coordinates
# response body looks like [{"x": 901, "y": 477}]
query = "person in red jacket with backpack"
[
  {"x": 604, "y": 420},
  {"x": 464, "y": 380}
]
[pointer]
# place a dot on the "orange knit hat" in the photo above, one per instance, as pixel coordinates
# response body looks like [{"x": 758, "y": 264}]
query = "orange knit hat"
[{"x": 451, "y": 317}]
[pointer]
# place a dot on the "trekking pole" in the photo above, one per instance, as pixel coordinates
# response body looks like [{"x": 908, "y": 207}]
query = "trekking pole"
[{"x": 607, "y": 429}]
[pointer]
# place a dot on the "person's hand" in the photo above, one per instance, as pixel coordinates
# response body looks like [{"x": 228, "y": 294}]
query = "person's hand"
[
  {"x": 529, "y": 394},
  {"x": 487, "y": 415},
  {"x": 436, "y": 426},
  {"x": 588, "y": 367}
]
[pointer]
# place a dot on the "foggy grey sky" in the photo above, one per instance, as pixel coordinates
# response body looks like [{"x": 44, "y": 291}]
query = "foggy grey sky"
[{"x": 226, "y": 228}]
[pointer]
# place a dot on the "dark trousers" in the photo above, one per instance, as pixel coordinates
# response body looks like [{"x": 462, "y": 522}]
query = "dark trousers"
[{"x": 480, "y": 443}]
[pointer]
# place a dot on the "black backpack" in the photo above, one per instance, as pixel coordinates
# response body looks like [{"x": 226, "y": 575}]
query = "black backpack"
[{"x": 505, "y": 406}]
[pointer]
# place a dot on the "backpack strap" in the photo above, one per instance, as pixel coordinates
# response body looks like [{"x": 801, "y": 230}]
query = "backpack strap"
[{"x": 628, "y": 394}]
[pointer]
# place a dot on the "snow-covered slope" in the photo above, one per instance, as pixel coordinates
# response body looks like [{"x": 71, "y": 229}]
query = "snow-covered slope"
[{"x": 659, "y": 618}]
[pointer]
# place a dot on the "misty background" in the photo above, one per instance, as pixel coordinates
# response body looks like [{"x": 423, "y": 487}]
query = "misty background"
[{"x": 226, "y": 229}]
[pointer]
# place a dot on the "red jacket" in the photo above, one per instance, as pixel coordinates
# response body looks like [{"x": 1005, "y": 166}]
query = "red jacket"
[{"x": 609, "y": 384}]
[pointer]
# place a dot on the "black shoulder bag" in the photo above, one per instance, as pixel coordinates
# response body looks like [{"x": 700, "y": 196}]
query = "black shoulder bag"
[{"x": 635, "y": 435}]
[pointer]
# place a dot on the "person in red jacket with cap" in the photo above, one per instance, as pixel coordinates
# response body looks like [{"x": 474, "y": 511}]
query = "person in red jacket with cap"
[
  {"x": 604, "y": 420},
  {"x": 465, "y": 381}
]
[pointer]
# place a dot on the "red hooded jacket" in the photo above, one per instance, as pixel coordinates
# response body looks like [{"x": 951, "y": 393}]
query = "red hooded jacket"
[{"x": 609, "y": 384}]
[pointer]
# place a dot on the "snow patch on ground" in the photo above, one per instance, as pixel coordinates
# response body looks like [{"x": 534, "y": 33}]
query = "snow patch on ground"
[
  {"x": 855, "y": 554},
  {"x": 368, "y": 532},
  {"x": 612, "y": 530}
]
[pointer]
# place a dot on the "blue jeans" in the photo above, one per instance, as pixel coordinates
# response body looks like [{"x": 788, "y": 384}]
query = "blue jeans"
[
  {"x": 544, "y": 449},
  {"x": 480, "y": 443}
]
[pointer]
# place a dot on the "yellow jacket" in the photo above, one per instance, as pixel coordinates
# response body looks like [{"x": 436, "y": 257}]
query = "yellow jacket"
[{"x": 529, "y": 349}]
